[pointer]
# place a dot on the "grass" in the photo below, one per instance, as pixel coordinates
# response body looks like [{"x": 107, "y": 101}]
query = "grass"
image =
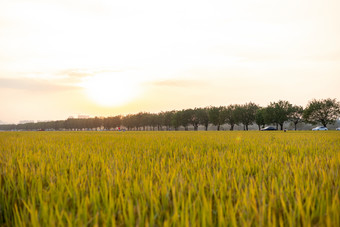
[{"x": 170, "y": 178}]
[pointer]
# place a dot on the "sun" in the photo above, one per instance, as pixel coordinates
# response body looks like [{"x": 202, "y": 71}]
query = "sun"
[{"x": 111, "y": 89}]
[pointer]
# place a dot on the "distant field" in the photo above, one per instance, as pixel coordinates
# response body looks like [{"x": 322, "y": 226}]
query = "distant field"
[{"x": 170, "y": 178}]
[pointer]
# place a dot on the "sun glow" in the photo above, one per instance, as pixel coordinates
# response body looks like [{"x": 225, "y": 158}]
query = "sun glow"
[{"x": 111, "y": 89}]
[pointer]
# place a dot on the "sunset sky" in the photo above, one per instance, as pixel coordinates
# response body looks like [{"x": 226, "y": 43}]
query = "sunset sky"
[{"x": 67, "y": 57}]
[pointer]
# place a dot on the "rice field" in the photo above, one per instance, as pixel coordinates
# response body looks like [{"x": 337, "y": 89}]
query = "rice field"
[{"x": 170, "y": 178}]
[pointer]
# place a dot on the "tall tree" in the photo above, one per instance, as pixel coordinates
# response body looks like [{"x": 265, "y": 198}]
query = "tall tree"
[
  {"x": 96, "y": 122},
  {"x": 168, "y": 119},
  {"x": 159, "y": 120},
  {"x": 259, "y": 117},
  {"x": 245, "y": 114},
  {"x": 230, "y": 116},
  {"x": 203, "y": 117},
  {"x": 176, "y": 120},
  {"x": 296, "y": 115},
  {"x": 153, "y": 121},
  {"x": 324, "y": 111},
  {"x": 278, "y": 113},
  {"x": 194, "y": 118},
  {"x": 128, "y": 121},
  {"x": 216, "y": 116},
  {"x": 186, "y": 118},
  {"x": 145, "y": 120}
]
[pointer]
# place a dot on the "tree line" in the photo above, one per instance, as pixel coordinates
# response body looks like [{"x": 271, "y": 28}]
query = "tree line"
[{"x": 324, "y": 111}]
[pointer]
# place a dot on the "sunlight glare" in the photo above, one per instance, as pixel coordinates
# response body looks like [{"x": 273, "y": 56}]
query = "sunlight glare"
[{"x": 111, "y": 89}]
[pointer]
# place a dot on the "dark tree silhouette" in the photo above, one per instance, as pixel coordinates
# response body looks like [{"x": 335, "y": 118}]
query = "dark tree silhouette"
[
  {"x": 259, "y": 117},
  {"x": 168, "y": 119},
  {"x": 245, "y": 114},
  {"x": 324, "y": 111},
  {"x": 278, "y": 113},
  {"x": 112, "y": 122},
  {"x": 203, "y": 117},
  {"x": 216, "y": 116},
  {"x": 296, "y": 115},
  {"x": 230, "y": 116}
]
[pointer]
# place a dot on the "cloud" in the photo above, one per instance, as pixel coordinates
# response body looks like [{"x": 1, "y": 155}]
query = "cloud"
[
  {"x": 34, "y": 85},
  {"x": 75, "y": 73},
  {"x": 80, "y": 73},
  {"x": 179, "y": 83}
]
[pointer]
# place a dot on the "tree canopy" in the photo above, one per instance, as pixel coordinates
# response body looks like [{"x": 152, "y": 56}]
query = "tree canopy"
[{"x": 324, "y": 111}]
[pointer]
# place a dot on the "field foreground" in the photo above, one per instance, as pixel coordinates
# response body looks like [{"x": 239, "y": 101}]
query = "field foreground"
[{"x": 170, "y": 178}]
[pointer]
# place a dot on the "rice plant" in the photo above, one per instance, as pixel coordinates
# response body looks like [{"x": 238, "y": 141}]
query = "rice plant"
[{"x": 170, "y": 179}]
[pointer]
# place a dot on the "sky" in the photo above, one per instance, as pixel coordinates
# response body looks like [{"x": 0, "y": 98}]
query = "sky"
[{"x": 60, "y": 58}]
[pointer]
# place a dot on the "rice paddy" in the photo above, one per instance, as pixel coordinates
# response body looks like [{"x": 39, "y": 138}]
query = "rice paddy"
[{"x": 170, "y": 178}]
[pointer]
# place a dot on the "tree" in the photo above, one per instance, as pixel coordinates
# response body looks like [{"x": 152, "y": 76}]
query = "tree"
[
  {"x": 176, "y": 120},
  {"x": 296, "y": 115},
  {"x": 186, "y": 118},
  {"x": 268, "y": 115},
  {"x": 245, "y": 114},
  {"x": 259, "y": 117},
  {"x": 324, "y": 111},
  {"x": 144, "y": 120},
  {"x": 128, "y": 121},
  {"x": 59, "y": 125},
  {"x": 215, "y": 116},
  {"x": 203, "y": 117},
  {"x": 96, "y": 122},
  {"x": 112, "y": 122},
  {"x": 159, "y": 118},
  {"x": 194, "y": 119},
  {"x": 154, "y": 121},
  {"x": 168, "y": 119},
  {"x": 278, "y": 113},
  {"x": 230, "y": 116}
]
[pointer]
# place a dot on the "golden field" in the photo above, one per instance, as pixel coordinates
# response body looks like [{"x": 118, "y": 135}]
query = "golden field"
[{"x": 170, "y": 178}]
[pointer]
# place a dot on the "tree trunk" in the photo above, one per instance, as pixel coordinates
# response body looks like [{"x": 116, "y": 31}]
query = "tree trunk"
[
  {"x": 281, "y": 126},
  {"x": 247, "y": 127},
  {"x": 195, "y": 127},
  {"x": 295, "y": 125},
  {"x": 259, "y": 127},
  {"x": 218, "y": 127},
  {"x": 206, "y": 127},
  {"x": 232, "y": 127}
]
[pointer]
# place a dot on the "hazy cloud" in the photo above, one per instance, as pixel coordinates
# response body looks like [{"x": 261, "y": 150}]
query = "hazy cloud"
[
  {"x": 80, "y": 73},
  {"x": 180, "y": 83},
  {"x": 34, "y": 85}
]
